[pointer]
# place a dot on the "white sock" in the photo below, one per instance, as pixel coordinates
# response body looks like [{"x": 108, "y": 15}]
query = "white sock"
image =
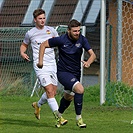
[
  {"x": 53, "y": 104},
  {"x": 42, "y": 100},
  {"x": 59, "y": 114},
  {"x": 78, "y": 117}
]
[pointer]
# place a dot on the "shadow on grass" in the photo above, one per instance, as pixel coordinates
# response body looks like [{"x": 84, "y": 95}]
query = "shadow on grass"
[{"x": 31, "y": 123}]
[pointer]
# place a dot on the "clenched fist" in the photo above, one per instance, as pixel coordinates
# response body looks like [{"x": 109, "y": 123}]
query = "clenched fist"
[{"x": 39, "y": 65}]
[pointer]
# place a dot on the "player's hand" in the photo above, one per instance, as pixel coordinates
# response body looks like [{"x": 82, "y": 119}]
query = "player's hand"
[
  {"x": 85, "y": 64},
  {"x": 25, "y": 56},
  {"x": 39, "y": 65}
]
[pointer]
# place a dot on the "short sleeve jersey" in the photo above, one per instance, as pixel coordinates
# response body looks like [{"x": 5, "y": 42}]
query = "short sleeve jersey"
[
  {"x": 35, "y": 37},
  {"x": 70, "y": 52}
]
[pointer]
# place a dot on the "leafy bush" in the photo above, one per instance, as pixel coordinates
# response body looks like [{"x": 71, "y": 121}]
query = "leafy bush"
[{"x": 92, "y": 93}]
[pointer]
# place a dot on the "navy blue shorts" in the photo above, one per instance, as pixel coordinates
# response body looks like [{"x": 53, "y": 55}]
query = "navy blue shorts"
[{"x": 67, "y": 79}]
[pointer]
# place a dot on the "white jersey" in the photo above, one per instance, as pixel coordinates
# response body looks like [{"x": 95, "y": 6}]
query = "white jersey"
[{"x": 35, "y": 37}]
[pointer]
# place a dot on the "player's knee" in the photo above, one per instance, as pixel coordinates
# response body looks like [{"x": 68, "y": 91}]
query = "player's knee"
[
  {"x": 68, "y": 97},
  {"x": 50, "y": 93},
  {"x": 80, "y": 91},
  {"x": 78, "y": 88}
]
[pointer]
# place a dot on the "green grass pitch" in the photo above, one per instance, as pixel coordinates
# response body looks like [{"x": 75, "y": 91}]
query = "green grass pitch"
[{"x": 17, "y": 116}]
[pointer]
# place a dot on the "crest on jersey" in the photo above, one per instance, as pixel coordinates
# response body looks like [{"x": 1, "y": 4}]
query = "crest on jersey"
[
  {"x": 48, "y": 32},
  {"x": 77, "y": 45}
]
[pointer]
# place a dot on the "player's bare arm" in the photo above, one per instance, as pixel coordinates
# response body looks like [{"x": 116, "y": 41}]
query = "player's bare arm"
[
  {"x": 90, "y": 60},
  {"x": 43, "y": 46},
  {"x": 23, "y": 49}
]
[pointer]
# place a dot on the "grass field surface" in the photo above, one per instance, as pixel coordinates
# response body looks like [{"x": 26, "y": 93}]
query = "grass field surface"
[{"x": 17, "y": 116}]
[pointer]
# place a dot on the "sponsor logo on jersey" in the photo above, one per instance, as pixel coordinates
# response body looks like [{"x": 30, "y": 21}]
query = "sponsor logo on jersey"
[
  {"x": 65, "y": 45},
  {"x": 37, "y": 42}
]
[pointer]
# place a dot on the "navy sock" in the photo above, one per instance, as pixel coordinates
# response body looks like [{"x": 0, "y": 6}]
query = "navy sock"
[
  {"x": 64, "y": 104},
  {"x": 78, "y": 99}
]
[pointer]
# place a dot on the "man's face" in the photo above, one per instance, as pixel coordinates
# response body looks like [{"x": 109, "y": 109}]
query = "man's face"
[
  {"x": 74, "y": 33},
  {"x": 40, "y": 21}
]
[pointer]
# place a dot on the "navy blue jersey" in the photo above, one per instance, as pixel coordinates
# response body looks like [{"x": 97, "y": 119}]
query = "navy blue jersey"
[{"x": 69, "y": 52}]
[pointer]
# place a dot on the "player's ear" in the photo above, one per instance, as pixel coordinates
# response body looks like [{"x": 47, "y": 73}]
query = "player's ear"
[
  {"x": 68, "y": 30},
  {"x": 34, "y": 20}
]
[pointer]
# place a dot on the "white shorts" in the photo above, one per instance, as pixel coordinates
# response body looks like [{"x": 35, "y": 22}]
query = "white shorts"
[
  {"x": 47, "y": 75},
  {"x": 46, "y": 79}
]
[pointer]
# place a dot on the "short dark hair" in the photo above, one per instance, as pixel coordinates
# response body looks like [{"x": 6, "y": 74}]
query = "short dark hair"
[
  {"x": 38, "y": 12},
  {"x": 73, "y": 23}
]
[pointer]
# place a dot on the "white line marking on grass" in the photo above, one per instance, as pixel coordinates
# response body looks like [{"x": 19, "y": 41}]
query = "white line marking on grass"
[{"x": 125, "y": 121}]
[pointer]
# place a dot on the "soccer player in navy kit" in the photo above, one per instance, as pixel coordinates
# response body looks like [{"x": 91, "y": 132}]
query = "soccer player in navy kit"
[{"x": 69, "y": 67}]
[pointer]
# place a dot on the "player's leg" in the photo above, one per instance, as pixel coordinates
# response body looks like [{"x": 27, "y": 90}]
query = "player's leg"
[
  {"x": 51, "y": 97},
  {"x": 68, "y": 94},
  {"x": 37, "y": 105},
  {"x": 64, "y": 104},
  {"x": 51, "y": 92},
  {"x": 71, "y": 83},
  {"x": 50, "y": 86},
  {"x": 78, "y": 103},
  {"x": 43, "y": 98}
]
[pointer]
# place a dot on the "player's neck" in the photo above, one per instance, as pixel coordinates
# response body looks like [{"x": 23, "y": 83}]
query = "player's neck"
[{"x": 39, "y": 27}]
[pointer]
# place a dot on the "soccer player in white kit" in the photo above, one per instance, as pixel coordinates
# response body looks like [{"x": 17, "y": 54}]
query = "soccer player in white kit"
[{"x": 47, "y": 75}]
